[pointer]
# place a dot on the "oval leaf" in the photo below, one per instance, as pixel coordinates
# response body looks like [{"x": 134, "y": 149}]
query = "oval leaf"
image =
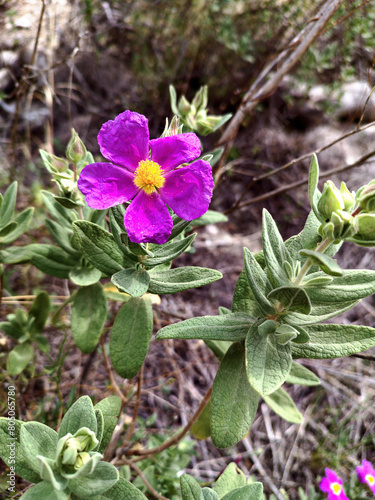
[
  {"x": 132, "y": 281},
  {"x": 283, "y": 405},
  {"x": 324, "y": 261},
  {"x": 182, "y": 278}
]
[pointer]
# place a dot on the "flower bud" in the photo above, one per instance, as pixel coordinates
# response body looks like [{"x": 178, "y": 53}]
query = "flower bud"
[
  {"x": 82, "y": 458},
  {"x": 366, "y": 197},
  {"x": 366, "y": 226},
  {"x": 75, "y": 150},
  {"x": 201, "y": 98},
  {"x": 208, "y": 124},
  {"x": 86, "y": 439},
  {"x": 347, "y": 196},
  {"x": 330, "y": 201},
  {"x": 184, "y": 106},
  {"x": 70, "y": 452}
]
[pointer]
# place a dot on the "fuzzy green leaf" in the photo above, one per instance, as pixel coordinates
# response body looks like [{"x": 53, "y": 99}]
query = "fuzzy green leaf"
[
  {"x": 232, "y": 327},
  {"x": 324, "y": 261},
  {"x": 130, "y": 336},
  {"x": 283, "y": 405},
  {"x": 234, "y": 402},
  {"x": 61, "y": 236},
  {"x": 319, "y": 313},
  {"x": 258, "y": 282},
  {"x": 135, "y": 282},
  {"x": 122, "y": 490},
  {"x": 301, "y": 375},
  {"x": 89, "y": 314},
  {"x": 100, "y": 248},
  {"x": 37, "y": 439},
  {"x": 334, "y": 341},
  {"x": 46, "y": 491},
  {"x": 169, "y": 251},
  {"x": 40, "y": 310},
  {"x": 9, "y": 443},
  {"x": 275, "y": 251},
  {"x": 85, "y": 276},
  {"x": 250, "y": 491},
  {"x": 22, "y": 221},
  {"x": 243, "y": 298},
  {"x": 267, "y": 362},
  {"x": 292, "y": 298},
  {"x": 16, "y": 255},
  {"x": 231, "y": 479},
  {"x": 80, "y": 414},
  {"x": 103, "y": 477},
  {"x": 19, "y": 358},
  {"x": 190, "y": 488},
  {"x": 61, "y": 215},
  {"x": 314, "y": 193},
  {"x": 110, "y": 408},
  {"x": 201, "y": 429},
  {"x": 209, "y": 494},
  {"x": 52, "y": 260},
  {"x": 181, "y": 278},
  {"x": 8, "y": 204}
]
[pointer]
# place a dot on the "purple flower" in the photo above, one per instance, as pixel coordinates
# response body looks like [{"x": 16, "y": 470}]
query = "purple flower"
[
  {"x": 151, "y": 181},
  {"x": 366, "y": 474},
  {"x": 332, "y": 484}
]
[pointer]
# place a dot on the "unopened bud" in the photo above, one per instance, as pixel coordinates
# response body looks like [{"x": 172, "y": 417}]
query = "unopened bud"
[
  {"x": 184, "y": 106},
  {"x": 347, "y": 196},
  {"x": 201, "y": 98},
  {"x": 330, "y": 201},
  {"x": 82, "y": 458},
  {"x": 75, "y": 150},
  {"x": 366, "y": 226},
  {"x": 366, "y": 197}
]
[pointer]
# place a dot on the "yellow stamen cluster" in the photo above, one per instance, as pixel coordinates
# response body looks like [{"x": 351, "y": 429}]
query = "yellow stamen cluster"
[
  {"x": 336, "y": 488},
  {"x": 370, "y": 479},
  {"x": 149, "y": 176}
]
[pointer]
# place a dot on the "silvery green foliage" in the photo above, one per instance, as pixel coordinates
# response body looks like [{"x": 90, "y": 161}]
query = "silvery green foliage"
[
  {"x": 68, "y": 463},
  {"x": 282, "y": 297}
]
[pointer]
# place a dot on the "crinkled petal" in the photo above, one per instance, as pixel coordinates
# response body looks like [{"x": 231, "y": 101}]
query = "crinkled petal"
[
  {"x": 332, "y": 476},
  {"x": 124, "y": 140},
  {"x": 147, "y": 219},
  {"x": 188, "y": 190},
  {"x": 324, "y": 485},
  {"x": 170, "y": 152},
  {"x": 105, "y": 185}
]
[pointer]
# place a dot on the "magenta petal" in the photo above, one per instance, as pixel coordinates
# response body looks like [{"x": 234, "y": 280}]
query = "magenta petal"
[
  {"x": 170, "y": 152},
  {"x": 124, "y": 140},
  {"x": 105, "y": 185},
  {"x": 147, "y": 219},
  {"x": 188, "y": 190},
  {"x": 324, "y": 485}
]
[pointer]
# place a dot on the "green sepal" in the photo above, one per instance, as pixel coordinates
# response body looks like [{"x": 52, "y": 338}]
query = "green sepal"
[
  {"x": 258, "y": 282},
  {"x": 283, "y": 405},
  {"x": 181, "y": 278},
  {"x": 19, "y": 358},
  {"x": 291, "y": 298},
  {"x": 267, "y": 362},
  {"x": 169, "y": 251},
  {"x": 8, "y": 436},
  {"x": 331, "y": 341},
  {"x": 234, "y": 402},
  {"x": 80, "y": 414},
  {"x": 46, "y": 491},
  {"x": 135, "y": 282},
  {"x": 85, "y": 275},
  {"x": 190, "y": 488},
  {"x": 8, "y": 204},
  {"x": 130, "y": 336},
  {"x": 100, "y": 248},
  {"x": 275, "y": 251},
  {"x": 86, "y": 469},
  {"x": 110, "y": 408},
  {"x": 89, "y": 314},
  {"x": 103, "y": 477},
  {"x": 301, "y": 375},
  {"x": 52, "y": 260},
  {"x": 231, "y": 479},
  {"x": 326, "y": 263},
  {"x": 250, "y": 491},
  {"x": 232, "y": 327},
  {"x": 47, "y": 473},
  {"x": 37, "y": 439}
]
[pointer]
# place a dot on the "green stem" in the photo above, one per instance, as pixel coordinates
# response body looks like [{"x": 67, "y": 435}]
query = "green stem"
[{"x": 306, "y": 266}]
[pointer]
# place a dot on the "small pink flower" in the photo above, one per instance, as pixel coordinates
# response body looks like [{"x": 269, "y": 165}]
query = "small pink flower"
[
  {"x": 332, "y": 484},
  {"x": 151, "y": 181},
  {"x": 366, "y": 474}
]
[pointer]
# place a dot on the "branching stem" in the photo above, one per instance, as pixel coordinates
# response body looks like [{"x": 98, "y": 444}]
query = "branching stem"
[{"x": 306, "y": 266}]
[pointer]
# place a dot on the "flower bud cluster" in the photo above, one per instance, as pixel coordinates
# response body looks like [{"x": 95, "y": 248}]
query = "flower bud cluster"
[
  {"x": 348, "y": 216},
  {"x": 73, "y": 451},
  {"x": 194, "y": 114}
]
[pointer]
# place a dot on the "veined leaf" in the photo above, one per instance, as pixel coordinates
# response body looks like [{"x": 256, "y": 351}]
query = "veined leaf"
[
  {"x": 283, "y": 405},
  {"x": 190, "y": 488},
  {"x": 110, "y": 408},
  {"x": 268, "y": 363},
  {"x": 329, "y": 341},
  {"x": 253, "y": 491},
  {"x": 258, "y": 282},
  {"x": 324, "y": 261},
  {"x": 275, "y": 251},
  {"x": 19, "y": 358},
  {"x": 232, "y": 327},
  {"x": 8, "y": 204},
  {"x": 123, "y": 489},
  {"x": 292, "y": 298},
  {"x": 130, "y": 336},
  {"x": 51, "y": 260},
  {"x": 103, "y": 477},
  {"x": 61, "y": 236},
  {"x": 169, "y": 251},
  {"x": 181, "y": 278},
  {"x": 319, "y": 313},
  {"x": 231, "y": 479},
  {"x": 80, "y": 414},
  {"x": 201, "y": 429},
  {"x": 135, "y": 282},
  {"x": 234, "y": 402},
  {"x": 243, "y": 298},
  {"x": 37, "y": 439},
  {"x": 301, "y": 375},
  {"x": 60, "y": 214}
]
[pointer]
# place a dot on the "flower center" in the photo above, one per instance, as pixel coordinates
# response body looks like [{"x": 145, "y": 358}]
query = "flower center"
[
  {"x": 336, "y": 488},
  {"x": 149, "y": 176},
  {"x": 370, "y": 479}
]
